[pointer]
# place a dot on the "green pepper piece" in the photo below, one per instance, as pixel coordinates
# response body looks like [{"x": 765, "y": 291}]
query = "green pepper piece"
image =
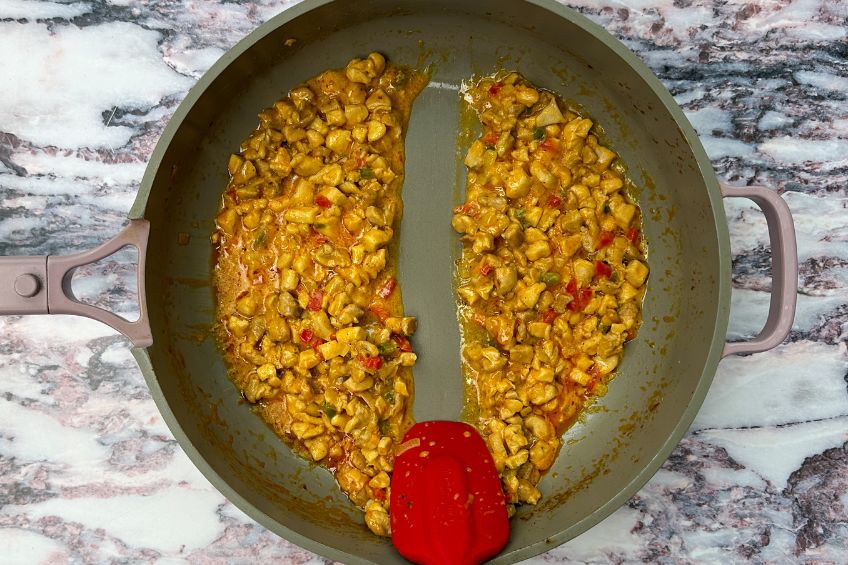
[
  {"x": 328, "y": 410},
  {"x": 387, "y": 348},
  {"x": 260, "y": 237},
  {"x": 520, "y": 216},
  {"x": 550, "y": 278}
]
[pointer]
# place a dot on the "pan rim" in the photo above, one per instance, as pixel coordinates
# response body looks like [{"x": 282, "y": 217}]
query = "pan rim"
[{"x": 705, "y": 379}]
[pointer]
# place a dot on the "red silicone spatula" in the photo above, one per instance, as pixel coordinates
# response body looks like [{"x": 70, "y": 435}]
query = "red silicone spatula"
[{"x": 447, "y": 506}]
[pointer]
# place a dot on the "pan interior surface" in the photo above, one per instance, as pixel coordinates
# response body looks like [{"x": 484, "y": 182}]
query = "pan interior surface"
[{"x": 616, "y": 447}]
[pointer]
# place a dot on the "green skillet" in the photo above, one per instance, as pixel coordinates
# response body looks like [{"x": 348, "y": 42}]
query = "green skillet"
[{"x": 667, "y": 369}]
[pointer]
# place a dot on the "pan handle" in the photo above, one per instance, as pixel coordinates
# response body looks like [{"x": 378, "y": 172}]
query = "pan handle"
[
  {"x": 42, "y": 285},
  {"x": 784, "y": 269}
]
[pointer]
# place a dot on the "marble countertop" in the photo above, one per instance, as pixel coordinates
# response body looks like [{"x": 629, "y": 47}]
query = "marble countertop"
[{"x": 89, "y": 473}]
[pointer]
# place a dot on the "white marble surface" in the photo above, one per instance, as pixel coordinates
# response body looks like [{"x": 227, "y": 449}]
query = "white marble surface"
[{"x": 89, "y": 473}]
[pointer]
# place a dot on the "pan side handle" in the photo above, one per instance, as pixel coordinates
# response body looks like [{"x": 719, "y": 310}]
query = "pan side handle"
[
  {"x": 784, "y": 269},
  {"x": 42, "y": 285}
]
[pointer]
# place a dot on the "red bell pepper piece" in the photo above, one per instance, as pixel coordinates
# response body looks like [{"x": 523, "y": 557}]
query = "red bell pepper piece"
[
  {"x": 633, "y": 235},
  {"x": 371, "y": 363},
  {"x": 402, "y": 343},
  {"x": 580, "y": 296},
  {"x": 550, "y": 145},
  {"x": 602, "y": 269},
  {"x": 380, "y": 312},
  {"x": 323, "y": 201},
  {"x": 388, "y": 288},
  {"x": 581, "y": 300},
  {"x": 316, "y": 300},
  {"x": 554, "y": 201},
  {"x": 606, "y": 238},
  {"x": 447, "y": 506},
  {"x": 307, "y": 335}
]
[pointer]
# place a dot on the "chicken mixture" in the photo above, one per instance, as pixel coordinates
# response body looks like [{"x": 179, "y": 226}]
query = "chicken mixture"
[
  {"x": 309, "y": 311},
  {"x": 551, "y": 277}
]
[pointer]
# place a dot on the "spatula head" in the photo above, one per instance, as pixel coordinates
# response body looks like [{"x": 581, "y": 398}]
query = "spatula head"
[{"x": 447, "y": 506}]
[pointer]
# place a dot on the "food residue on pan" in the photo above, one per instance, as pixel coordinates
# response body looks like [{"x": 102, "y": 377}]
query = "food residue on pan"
[
  {"x": 551, "y": 276},
  {"x": 309, "y": 310}
]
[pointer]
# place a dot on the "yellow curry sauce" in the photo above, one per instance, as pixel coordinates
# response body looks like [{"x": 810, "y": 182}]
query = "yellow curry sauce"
[
  {"x": 309, "y": 314},
  {"x": 551, "y": 277}
]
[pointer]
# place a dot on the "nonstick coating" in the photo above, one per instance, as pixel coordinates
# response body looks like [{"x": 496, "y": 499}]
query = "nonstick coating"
[{"x": 667, "y": 368}]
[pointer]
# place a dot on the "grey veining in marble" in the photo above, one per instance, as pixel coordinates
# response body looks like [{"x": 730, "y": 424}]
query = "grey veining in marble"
[{"x": 90, "y": 474}]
